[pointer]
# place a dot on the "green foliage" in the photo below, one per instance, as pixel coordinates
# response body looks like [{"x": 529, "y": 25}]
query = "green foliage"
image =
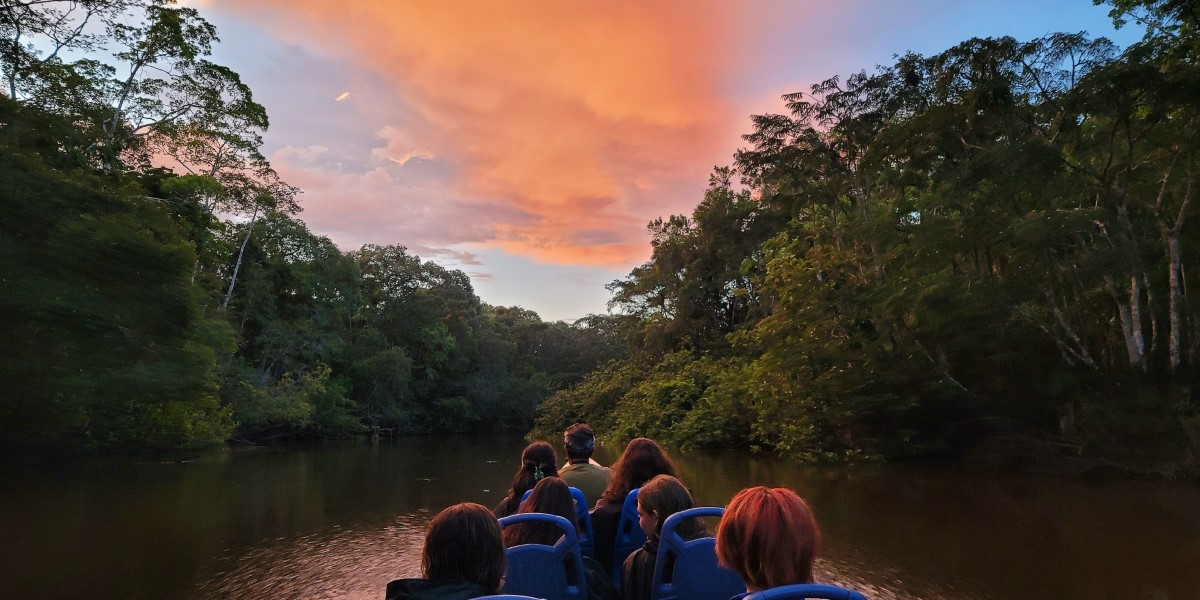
[
  {"x": 989, "y": 242},
  {"x": 311, "y": 400},
  {"x": 456, "y": 415},
  {"x": 107, "y": 343},
  {"x": 382, "y": 385}
]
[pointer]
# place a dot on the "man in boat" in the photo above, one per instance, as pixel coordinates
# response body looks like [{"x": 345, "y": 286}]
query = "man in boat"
[{"x": 579, "y": 442}]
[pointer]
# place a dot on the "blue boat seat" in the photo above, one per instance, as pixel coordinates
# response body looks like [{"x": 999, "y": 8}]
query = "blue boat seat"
[
  {"x": 805, "y": 590},
  {"x": 551, "y": 572},
  {"x": 506, "y": 597},
  {"x": 629, "y": 535},
  {"x": 583, "y": 519},
  {"x": 694, "y": 573}
]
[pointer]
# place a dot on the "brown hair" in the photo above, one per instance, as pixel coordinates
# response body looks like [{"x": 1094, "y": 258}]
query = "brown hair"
[
  {"x": 463, "y": 543},
  {"x": 579, "y": 441},
  {"x": 769, "y": 537},
  {"x": 639, "y": 463},
  {"x": 549, "y": 496},
  {"x": 537, "y": 461},
  {"x": 667, "y": 496}
]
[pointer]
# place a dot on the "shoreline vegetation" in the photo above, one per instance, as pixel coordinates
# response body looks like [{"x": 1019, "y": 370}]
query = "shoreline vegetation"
[{"x": 977, "y": 256}]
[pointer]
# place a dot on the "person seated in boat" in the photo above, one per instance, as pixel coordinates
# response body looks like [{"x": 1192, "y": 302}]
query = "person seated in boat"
[
  {"x": 537, "y": 461},
  {"x": 579, "y": 443},
  {"x": 550, "y": 496},
  {"x": 463, "y": 557},
  {"x": 769, "y": 537},
  {"x": 642, "y": 459},
  {"x": 660, "y": 498}
]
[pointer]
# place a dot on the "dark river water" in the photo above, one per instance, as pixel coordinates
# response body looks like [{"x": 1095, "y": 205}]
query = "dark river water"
[{"x": 341, "y": 520}]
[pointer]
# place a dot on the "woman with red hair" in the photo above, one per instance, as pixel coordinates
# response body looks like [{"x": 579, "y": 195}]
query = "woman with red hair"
[{"x": 769, "y": 537}]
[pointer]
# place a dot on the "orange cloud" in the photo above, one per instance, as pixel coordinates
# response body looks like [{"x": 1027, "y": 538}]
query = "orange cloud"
[{"x": 589, "y": 118}]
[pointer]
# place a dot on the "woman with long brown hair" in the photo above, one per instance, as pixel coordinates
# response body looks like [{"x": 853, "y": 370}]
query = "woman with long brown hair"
[
  {"x": 537, "y": 461},
  {"x": 550, "y": 496},
  {"x": 642, "y": 459}
]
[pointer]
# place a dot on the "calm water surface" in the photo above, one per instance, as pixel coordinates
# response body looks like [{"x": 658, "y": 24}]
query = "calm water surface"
[{"x": 341, "y": 520}]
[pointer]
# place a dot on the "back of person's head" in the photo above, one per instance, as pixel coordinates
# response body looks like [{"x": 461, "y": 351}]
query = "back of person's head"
[
  {"x": 463, "y": 543},
  {"x": 664, "y": 496},
  {"x": 579, "y": 441},
  {"x": 769, "y": 537},
  {"x": 537, "y": 461},
  {"x": 639, "y": 463},
  {"x": 550, "y": 496}
]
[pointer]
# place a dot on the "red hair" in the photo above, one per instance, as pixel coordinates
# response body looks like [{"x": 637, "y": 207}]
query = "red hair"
[{"x": 769, "y": 537}]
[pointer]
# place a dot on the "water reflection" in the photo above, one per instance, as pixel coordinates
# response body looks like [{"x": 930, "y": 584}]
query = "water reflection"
[
  {"x": 332, "y": 564},
  {"x": 341, "y": 520}
]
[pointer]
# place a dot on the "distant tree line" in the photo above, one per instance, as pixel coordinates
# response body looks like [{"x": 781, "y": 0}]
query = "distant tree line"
[
  {"x": 985, "y": 252},
  {"x": 158, "y": 292}
]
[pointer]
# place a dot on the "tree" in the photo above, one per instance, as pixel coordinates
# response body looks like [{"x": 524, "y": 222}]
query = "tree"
[
  {"x": 985, "y": 245},
  {"x": 35, "y": 35},
  {"x": 106, "y": 342},
  {"x": 155, "y": 81}
]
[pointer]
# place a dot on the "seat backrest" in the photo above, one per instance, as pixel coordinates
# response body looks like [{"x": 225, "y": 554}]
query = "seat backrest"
[
  {"x": 806, "y": 590},
  {"x": 629, "y": 535},
  {"x": 541, "y": 571},
  {"x": 693, "y": 573},
  {"x": 505, "y": 597},
  {"x": 583, "y": 519}
]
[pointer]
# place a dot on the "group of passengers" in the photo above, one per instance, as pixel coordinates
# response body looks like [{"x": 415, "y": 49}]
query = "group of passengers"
[{"x": 768, "y": 536}]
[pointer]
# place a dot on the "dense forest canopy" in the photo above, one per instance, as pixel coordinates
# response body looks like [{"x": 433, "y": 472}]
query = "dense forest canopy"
[
  {"x": 985, "y": 249},
  {"x": 159, "y": 291}
]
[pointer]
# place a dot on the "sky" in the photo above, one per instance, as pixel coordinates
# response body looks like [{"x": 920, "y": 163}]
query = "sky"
[{"x": 528, "y": 143}]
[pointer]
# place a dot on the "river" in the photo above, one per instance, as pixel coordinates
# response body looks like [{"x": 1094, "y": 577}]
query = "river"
[{"x": 340, "y": 520}]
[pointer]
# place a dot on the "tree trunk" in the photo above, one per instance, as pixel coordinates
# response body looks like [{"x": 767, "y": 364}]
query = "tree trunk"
[
  {"x": 1175, "y": 339},
  {"x": 1131, "y": 330},
  {"x": 1153, "y": 318},
  {"x": 238, "y": 265}
]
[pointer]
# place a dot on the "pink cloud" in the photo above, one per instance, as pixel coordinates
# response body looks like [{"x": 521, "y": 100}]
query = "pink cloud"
[
  {"x": 380, "y": 206},
  {"x": 569, "y": 125}
]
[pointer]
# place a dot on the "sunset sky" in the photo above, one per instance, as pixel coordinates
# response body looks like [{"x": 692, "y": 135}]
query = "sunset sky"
[{"x": 529, "y": 143}]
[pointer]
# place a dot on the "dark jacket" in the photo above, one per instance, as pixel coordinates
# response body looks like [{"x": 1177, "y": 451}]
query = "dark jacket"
[
  {"x": 432, "y": 589},
  {"x": 638, "y": 575},
  {"x": 599, "y": 582},
  {"x": 637, "y": 578},
  {"x": 604, "y": 527}
]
